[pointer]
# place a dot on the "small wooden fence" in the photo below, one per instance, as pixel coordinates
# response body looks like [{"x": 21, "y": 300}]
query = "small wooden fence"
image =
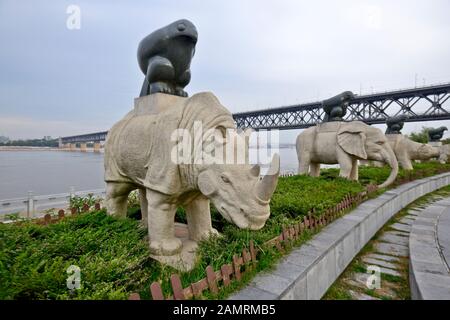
[
  {"x": 48, "y": 218},
  {"x": 246, "y": 261}
]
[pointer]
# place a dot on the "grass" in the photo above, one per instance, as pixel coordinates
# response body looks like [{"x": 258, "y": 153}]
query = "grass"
[{"x": 113, "y": 256}]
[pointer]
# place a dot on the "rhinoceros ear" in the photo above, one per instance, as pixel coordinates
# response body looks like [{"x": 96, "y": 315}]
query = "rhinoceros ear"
[{"x": 206, "y": 183}]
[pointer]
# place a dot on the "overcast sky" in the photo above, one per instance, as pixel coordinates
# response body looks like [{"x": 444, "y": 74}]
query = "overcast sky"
[{"x": 250, "y": 54}]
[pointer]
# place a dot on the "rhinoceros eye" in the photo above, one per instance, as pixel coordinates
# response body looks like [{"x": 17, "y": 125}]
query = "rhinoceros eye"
[{"x": 225, "y": 178}]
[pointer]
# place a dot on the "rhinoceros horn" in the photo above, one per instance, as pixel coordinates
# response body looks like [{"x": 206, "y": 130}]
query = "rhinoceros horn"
[{"x": 266, "y": 186}]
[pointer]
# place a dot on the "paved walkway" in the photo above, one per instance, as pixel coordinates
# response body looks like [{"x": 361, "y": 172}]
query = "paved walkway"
[
  {"x": 421, "y": 230},
  {"x": 429, "y": 245},
  {"x": 388, "y": 254}
]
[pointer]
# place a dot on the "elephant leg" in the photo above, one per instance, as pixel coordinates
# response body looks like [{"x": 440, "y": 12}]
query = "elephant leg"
[
  {"x": 144, "y": 206},
  {"x": 116, "y": 198},
  {"x": 198, "y": 217},
  {"x": 354, "y": 172},
  {"x": 314, "y": 169},
  {"x": 345, "y": 163},
  {"x": 161, "y": 224}
]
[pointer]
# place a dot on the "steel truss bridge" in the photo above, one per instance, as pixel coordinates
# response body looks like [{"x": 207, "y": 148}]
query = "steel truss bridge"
[{"x": 419, "y": 104}]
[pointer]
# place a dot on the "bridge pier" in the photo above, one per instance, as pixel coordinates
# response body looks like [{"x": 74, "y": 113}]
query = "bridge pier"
[
  {"x": 83, "y": 147},
  {"x": 72, "y": 146},
  {"x": 97, "y": 146}
]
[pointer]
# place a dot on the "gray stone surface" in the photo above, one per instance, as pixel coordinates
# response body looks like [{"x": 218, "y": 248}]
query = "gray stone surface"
[
  {"x": 361, "y": 296},
  {"x": 380, "y": 263},
  {"x": 271, "y": 283},
  {"x": 429, "y": 272},
  {"x": 407, "y": 221},
  {"x": 391, "y": 249},
  {"x": 401, "y": 227},
  {"x": 252, "y": 293},
  {"x": 443, "y": 235},
  {"x": 389, "y": 272},
  {"x": 392, "y": 238},
  {"x": 383, "y": 257}
]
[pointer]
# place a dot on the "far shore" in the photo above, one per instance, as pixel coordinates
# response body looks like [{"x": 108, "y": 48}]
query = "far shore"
[{"x": 24, "y": 148}]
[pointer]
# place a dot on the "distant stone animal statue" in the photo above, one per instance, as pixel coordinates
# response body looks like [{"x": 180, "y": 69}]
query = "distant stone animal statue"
[
  {"x": 138, "y": 155},
  {"x": 407, "y": 150},
  {"x": 336, "y": 107},
  {"x": 395, "y": 124},
  {"x": 436, "y": 134},
  {"x": 165, "y": 56},
  {"x": 344, "y": 143}
]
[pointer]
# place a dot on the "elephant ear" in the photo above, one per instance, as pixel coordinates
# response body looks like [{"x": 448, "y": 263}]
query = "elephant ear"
[{"x": 353, "y": 142}]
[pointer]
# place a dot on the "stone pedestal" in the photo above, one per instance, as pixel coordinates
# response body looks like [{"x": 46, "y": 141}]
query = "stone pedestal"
[
  {"x": 184, "y": 261},
  {"x": 435, "y": 143}
]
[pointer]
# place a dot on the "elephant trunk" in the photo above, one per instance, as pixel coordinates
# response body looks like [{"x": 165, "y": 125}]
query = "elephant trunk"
[{"x": 391, "y": 160}]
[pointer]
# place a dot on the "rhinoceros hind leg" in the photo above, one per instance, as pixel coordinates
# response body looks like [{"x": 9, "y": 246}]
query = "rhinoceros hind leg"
[
  {"x": 116, "y": 198},
  {"x": 161, "y": 224},
  {"x": 198, "y": 218}
]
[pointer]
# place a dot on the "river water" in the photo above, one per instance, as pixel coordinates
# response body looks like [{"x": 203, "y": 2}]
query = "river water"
[{"x": 51, "y": 172}]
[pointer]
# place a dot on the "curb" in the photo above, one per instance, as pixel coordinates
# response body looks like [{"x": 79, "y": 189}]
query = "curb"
[{"x": 429, "y": 275}]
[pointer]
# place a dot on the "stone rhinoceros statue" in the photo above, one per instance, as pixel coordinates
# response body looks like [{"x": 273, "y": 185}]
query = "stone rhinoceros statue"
[
  {"x": 406, "y": 150},
  {"x": 138, "y": 155}
]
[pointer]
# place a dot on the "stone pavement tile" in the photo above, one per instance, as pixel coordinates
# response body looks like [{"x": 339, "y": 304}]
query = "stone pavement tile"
[
  {"x": 391, "y": 238},
  {"x": 361, "y": 296},
  {"x": 389, "y": 271},
  {"x": 398, "y": 233},
  {"x": 361, "y": 278},
  {"x": 383, "y": 257},
  {"x": 381, "y": 263},
  {"x": 392, "y": 249},
  {"x": 383, "y": 291},
  {"x": 406, "y": 221},
  {"x": 401, "y": 227}
]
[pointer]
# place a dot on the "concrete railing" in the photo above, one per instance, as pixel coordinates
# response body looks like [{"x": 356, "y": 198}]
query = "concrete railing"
[
  {"x": 308, "y": 271},
  {"x": 32, "y": 205}
]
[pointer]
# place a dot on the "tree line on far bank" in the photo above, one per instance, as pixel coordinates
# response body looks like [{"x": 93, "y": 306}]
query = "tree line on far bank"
[{"x": 31, "y": 143}]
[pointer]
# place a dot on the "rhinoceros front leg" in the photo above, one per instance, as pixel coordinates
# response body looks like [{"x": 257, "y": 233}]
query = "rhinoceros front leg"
[
  {"x": 116, "y": 198},
  {"x": 161, "y": 224},
  {"x": 198, "y": 217}
]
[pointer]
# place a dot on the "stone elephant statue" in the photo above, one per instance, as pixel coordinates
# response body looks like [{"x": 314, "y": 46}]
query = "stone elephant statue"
[
  {"x": 138, "y": 155},
  {"x": 406, "y": 150},
  {"x": 344, "y": 143}
]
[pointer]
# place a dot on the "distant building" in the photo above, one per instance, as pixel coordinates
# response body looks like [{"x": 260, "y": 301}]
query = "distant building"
[
  {"x": 4, "y": 139},
  {"x": 47, "y": 138}
]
